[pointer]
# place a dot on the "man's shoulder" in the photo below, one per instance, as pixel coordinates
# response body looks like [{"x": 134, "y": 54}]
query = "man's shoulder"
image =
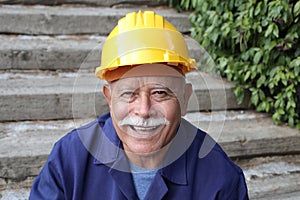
[
  {"x": 208, "y": 152},
  {"x": 208, "y": 161}
]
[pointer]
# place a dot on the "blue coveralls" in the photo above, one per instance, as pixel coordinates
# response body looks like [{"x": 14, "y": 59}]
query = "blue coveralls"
[{"x": 89, "y": 163}]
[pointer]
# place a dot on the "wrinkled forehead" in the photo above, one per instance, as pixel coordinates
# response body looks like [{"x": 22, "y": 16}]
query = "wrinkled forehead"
[
  {"x": 170, "y": 82},
  {"x": 150, "y": 76}
]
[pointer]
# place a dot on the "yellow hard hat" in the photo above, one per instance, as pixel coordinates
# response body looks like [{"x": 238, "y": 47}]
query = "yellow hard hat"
[{"x": 144, "y": 38}]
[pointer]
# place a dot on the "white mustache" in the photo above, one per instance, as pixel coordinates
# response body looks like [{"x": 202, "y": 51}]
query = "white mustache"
[{"x": 138, "y": 121}]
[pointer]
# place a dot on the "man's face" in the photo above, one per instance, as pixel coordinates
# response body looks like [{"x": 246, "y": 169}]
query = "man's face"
[{"x": 146, "y": 111}]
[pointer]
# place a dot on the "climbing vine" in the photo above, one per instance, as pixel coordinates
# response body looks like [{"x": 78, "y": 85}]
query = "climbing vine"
[{"x": 256, "y": 45}]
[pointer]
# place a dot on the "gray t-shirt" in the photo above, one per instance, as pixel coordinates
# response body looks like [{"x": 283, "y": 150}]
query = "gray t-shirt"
[{"x": 142, "y": 178}]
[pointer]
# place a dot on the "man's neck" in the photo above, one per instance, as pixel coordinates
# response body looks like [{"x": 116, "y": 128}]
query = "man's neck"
[{"x": 148, "y": 160}]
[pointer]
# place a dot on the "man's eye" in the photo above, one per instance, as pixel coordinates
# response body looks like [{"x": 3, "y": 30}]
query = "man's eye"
[
  {"x": 159, "y": 94},
  {"x": 127, "y": 94}
]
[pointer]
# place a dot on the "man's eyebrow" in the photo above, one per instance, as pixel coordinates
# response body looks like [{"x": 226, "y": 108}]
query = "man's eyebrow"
[
  {"x": 161, "y": 86},
  {"x": 122, "y": 87}
]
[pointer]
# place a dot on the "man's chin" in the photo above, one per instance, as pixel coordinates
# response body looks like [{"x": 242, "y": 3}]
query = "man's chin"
[{"x": 145, "y": 150}]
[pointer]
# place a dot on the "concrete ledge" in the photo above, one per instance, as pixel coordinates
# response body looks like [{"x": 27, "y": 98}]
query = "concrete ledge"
[
  {"x": 270, "y": 178},
  {"x": 59, "y": 52},
  {"x": 50, "y": 53},
  {"x": 49, "y": 20},
  {"x": 44, "y": 96},
  {"x": 248, "y": 134},
  {"x": 107, "y": 3},
  {"x": 51, "y": 97}
]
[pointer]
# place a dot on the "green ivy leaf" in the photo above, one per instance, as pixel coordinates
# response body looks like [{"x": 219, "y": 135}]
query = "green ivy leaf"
[
  {"x": 275, "y": 31},
  {"x": 269, "y": 30},
  {"x": 258, "y": 8},
  {"x": 276, "y": 117},
  {"x": 297, "y": 70},
  {"x": 247, "y": 75},
  {"x": 291, "y": 121},
  {"x": 280, "y": 111},
  {"x": 240, "y": 94},
  {"x": 264, "y": 22},
  {"x": 262, "y": 106},
  {"x": 259, "y": 29},
  {"x": 296, "y": 10},
  {"x": 296, "y": 65},
  {"x": 261, "y": 81},
  {"x": 257, "y": 57},
  {"x": 254, "y": 98}
]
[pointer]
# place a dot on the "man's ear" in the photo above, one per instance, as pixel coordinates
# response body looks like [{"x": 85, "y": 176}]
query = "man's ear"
[
  {"x": 188, "y": 90},
  {"x": 106, "y": 90}
]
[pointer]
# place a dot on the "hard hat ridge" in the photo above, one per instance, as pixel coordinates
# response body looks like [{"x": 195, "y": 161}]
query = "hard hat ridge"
[{"x": 148, "y": 19}]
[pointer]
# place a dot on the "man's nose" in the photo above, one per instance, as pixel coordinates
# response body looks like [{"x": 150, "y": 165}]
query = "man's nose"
[{"x": 143, "y": 105}]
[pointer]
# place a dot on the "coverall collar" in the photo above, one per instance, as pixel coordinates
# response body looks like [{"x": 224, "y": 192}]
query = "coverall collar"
[{"x": 110, "y": 151}]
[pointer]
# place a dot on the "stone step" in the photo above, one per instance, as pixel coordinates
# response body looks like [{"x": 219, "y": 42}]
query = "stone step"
[
  {"x": 58, "y": 52},
  {"x": 245, "y": 134},
  {"x": 263, "y": 182},
  {"x": 107, "y": 3},
  {"x": 14, "y": 194},
  {"x": 57, "y": 20},
  {"x": 24, "y": 147},
  {"x": 59, "y": 95},
  {"x": 273, "y": 178}
]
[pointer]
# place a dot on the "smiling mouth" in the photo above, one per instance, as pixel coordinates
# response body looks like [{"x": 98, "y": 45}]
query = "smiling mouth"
[{"x": 144, "y": 128}]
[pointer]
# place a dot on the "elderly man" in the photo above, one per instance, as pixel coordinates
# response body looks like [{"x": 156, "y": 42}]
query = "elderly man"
[{"x": 142, "y": 148}]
